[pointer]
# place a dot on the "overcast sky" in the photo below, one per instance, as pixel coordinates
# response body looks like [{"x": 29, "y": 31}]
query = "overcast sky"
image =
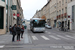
[{"x": 30, "y": 7}]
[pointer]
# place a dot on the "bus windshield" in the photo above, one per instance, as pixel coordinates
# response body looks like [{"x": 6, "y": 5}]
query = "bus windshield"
[{"x": 39, "y": 23}]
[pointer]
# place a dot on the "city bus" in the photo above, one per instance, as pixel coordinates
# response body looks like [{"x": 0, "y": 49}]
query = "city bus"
[{"x": 37, "y": 25}]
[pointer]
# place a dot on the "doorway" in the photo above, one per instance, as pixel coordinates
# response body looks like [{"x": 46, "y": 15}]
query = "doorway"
[{"x": 1, "y": 17}]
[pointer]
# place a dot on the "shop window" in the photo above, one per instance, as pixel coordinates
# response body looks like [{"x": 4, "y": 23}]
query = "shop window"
[
  {"x": 1, "y": 17},
  {"x": 3, "y": 0}
]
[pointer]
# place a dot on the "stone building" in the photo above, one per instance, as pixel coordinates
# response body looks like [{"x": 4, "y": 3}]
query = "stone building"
[
  {"x": 43, "y": 13},
  {"x": 2, "y": 16},
  {"x": 19, "y": 12},
  {"x": 71, "y": 15},
  {"x": 62, "y": 13},
  {"x": 58, "y": 13},
  {"x": 55, "y": 12}
]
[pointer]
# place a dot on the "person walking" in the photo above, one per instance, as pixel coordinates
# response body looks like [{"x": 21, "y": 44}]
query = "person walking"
[
  {"x": 10, "y": 29},
  {"x": 13, "y": 32},
  {"x": 18, "y": 29},
  {"x": 22, "y": 31}
]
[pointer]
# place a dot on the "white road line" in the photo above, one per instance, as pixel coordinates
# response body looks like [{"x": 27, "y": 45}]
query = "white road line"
[
  {"x": 54, "y": 37},
  {"x": 2, "y": 46},
  {"x": 70, "y": 36},
  {"x": 45, "y": 38},
  {"x": 48, "y": 33},
  {"x": 34, "y": 38},
  {"x": 63, "y": 37},
  {"x": 2, "y": 41},
  {"x": 68, "y": 47}
]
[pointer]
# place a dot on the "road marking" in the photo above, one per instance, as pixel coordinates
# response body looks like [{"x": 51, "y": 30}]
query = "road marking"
[
  {"x": 2, "y": 46},
  {"x": 45, "y": 38},
  {"x": 2, "y": 41},
  {"x": 68, "y": 47},
  {"x": 48, "y": 33},
  {"x": 34, "y": 38},
  {"x": 70, "y": 36},
  {"x": 54, "y": 37},
  {"x": 63, "y": 37}
]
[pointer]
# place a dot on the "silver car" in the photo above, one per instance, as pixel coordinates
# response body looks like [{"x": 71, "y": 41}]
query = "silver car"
[{"x": 47, "y": 26}]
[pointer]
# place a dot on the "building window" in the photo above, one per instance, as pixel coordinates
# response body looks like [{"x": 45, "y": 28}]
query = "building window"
[
  {"x": 62, "y": 11},
  {"x": 66, "y": 1},
  {"x": 62, "y": 2},
  {"x": 66, "y": 9},
  {"x": 3, "y": 0},
  {"x": 71, "y": 0},
  {"x": 59, "y": 3},
  {"x": 57, "y": 13}
]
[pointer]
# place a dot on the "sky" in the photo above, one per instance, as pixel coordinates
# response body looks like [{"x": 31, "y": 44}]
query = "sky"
[{"x": 30, "y": 6}]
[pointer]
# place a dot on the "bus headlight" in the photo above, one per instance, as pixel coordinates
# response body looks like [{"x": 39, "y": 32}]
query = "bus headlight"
[
  {"x": 34, "y": 28},
  {"x": 43, "y": 28}
]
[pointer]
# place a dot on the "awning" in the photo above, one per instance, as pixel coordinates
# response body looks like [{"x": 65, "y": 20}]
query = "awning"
[{"x": 15, "y": 17}]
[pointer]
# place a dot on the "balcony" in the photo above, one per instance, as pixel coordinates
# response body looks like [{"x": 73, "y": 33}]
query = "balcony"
[
  {"x": 61, "y": 15},
  {"x": 57, "y": 17},
  {"x": 65, "y": 14}
]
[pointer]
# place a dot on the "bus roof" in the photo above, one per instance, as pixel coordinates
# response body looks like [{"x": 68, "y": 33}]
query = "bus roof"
[{"x": 37, "y": 19}]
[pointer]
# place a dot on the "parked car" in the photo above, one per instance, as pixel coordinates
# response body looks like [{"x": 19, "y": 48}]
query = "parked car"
[{"x": 47, "y": 26}]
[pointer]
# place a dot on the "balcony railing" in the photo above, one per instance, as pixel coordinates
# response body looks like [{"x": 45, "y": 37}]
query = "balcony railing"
[{"x": 65, "y": 14}]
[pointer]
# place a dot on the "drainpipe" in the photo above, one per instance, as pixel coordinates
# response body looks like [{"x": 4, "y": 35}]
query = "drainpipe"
[
  {"x": 49, "y": 13},
  {"x": 56, "y": 10}
]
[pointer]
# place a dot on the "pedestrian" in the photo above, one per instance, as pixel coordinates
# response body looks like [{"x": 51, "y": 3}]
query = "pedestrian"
[
  {"x": 22, "y": 31},
  {"x": 10, "y": 29},
  {"x": 18, "y": 29},
  {"x": 13, "y": 32}
]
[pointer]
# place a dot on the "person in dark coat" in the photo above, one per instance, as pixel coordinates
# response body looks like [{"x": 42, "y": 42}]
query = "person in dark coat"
[
  {"x": 10, "y": 29},
  {"x": 18, "y": 29},
  {"x": 22, "y": 31},
  {"x": 14, "y": 32}
]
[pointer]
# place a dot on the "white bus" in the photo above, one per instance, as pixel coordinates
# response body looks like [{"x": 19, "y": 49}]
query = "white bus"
[{"x": 37, "y": 25}]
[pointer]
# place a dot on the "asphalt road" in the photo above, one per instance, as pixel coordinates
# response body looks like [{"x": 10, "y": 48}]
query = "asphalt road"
[
  {"x": 52, "y": 36},
  {"x": 51, "y": 39}
]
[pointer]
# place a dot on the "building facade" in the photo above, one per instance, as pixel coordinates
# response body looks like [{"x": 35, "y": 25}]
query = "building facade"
[
  {"x": 2, "y": 16},
  {"x": 62, "y": 13},
  {"x": 14, "y": 13},
  {"x": 71, "y": 15},
  {"x": 43, "y": 13},
  {"x": 56, "y": 13},
  {"x": 19, "y": 12},
  {"x": 11, "y": 10},
  {"x": 53, "y": 13}
]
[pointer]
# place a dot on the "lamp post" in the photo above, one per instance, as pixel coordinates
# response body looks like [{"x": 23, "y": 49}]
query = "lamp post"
[
  {"x": 56, "y": 10},
  {"x": 49, "y": 13}
]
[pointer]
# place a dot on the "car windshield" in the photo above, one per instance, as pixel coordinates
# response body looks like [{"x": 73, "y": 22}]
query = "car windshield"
[
  {"x": 39, "y": 23},
  {"x": 23, "y": 24}
]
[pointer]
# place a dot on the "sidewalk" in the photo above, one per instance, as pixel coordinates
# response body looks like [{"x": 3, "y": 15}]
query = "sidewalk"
[
  {"x": 70, "y": 32},
  {"x": 6, "y": 39}
]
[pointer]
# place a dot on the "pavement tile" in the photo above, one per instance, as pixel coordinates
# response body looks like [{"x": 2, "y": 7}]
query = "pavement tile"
[{"x": 15, "y": 49}]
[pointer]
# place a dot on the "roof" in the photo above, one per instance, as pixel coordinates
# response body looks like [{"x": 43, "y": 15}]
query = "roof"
[{"x": 37, "y": 19}]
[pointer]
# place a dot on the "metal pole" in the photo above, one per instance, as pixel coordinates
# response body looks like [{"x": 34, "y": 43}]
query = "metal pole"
[
  {"x": 56, "y": 9},
  {"x": 49, "y": 13}
]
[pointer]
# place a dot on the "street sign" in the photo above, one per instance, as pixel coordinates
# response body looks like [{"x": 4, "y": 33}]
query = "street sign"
[
  {"x": 14, "y": 14},
  {"x": 18, "y": 15}
]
